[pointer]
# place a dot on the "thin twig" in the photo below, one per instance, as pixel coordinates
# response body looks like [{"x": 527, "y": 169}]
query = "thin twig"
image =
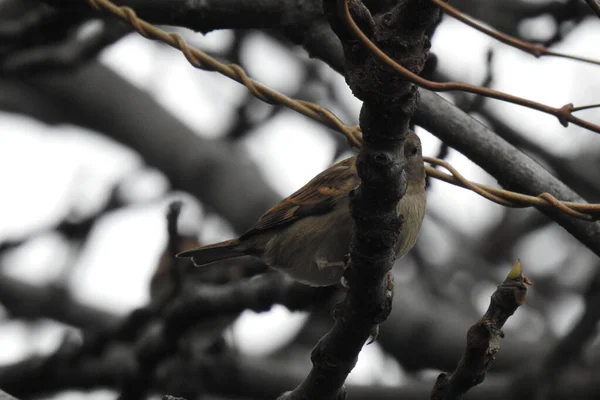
[
  {"x": 536, "y": 50},
  {"x": 563, "y": 113},
  {"x": 588, "y": 212},
  {"x": 202, "y": 61}
]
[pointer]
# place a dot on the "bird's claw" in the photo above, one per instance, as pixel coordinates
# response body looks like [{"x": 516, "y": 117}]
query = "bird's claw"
[{"x": 373, "y": 335}]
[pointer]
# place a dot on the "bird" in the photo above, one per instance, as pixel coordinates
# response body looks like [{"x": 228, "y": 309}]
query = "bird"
[{"x": 307, "y": 235}]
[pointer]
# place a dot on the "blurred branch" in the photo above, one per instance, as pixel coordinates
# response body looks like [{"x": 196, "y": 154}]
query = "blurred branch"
[
  {"x": 226, "y": 14},
  {"x": 32, "y": 301},
  {"x": 16, "y": 28},
  {"x": 507, "y": 15},
  {"x": 64, "y": 55},
  {"x": 209, "y": 308},
  {"x": 306, "y": 25},
  {"x": 536, "y": 50},
  {"x": 39, "y": 38},
  {"x": 243, "y": 377},
  {"x": 212, "y": 171},
  {"x": 412, "y": 333},
  {"x": 508, "y": 231},
  {"x": 595, "y": 6},
  {"x": 39, "y": 375},
  {"x": 258, "y": 294},
  {"x": 130, "y": 355},
  {"x": 570, "y": 346},
  {"x": 483, "y": 339},
  {"x": 167, "y": 280}
]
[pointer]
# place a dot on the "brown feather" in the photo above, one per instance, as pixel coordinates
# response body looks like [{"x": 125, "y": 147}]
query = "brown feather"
[{"x": 319, "y": 196}]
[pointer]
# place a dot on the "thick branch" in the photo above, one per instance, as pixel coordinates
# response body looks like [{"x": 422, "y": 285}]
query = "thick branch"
[
  {"x": 513, "y": 169},
  {"x": 25, "y": 300},
  {"x": 388, "y": 103},
  {"x": 245, "y": 378},
  {"x": 206, "y": 16},
  {"x": 258, "y": 294}
]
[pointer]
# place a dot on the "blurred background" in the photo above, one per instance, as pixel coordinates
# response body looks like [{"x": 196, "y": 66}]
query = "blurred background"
[{"x": 93, "y": 152}]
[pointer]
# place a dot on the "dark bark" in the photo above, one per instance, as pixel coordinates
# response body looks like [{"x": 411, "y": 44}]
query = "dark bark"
[
  {"x": 29, "y": 301},
  {"x": 388, "y": 103},
  {"x": 248, "y": 378},
  {"x": 483, "y": 339},
  {"x": 413, "y": 336},
  {"x": 258, "y": 294}
]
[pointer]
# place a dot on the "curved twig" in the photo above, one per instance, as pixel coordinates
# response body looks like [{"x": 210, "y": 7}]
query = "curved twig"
[{"x": 564, "y": 113}]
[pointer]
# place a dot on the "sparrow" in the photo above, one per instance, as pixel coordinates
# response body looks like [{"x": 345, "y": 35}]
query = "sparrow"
[{"x": 307, "y": 235}]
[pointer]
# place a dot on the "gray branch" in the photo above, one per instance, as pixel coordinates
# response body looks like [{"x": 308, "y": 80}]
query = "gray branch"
[{"x": 513, "y": 169}]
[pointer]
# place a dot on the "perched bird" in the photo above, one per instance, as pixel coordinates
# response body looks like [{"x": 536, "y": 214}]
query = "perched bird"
[{"x": 307, "y": 235}]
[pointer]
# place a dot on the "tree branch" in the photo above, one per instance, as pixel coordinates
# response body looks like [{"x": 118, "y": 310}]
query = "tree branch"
[
  {"x": 259, "y": 294},
  {"x": 412, "y": 334},
  {"x": 388, "y": 104},
  {"x": 513, "y": 169},
  {"x": 66, "y": 54},
  {"x": 483, "y": 339},
  {"x": 29, "y": 301}
]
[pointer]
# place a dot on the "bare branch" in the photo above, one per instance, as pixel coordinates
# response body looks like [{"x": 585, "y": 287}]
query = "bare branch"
[
  {"x": 29, "y": 301},
  {"x": 388, "y": 104},
  {"x": 258, "y": 294},
  {"x": 483, "y": 339},
  {"x": 65, "y": 54},
  {"x": 513, "y": 169}
]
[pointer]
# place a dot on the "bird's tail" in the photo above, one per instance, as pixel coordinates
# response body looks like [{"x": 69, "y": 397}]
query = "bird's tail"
[{"x": 213, "y": 252}]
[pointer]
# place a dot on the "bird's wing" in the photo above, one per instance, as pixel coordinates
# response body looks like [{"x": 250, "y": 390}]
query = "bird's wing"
[{"x": 316, "y": 197}]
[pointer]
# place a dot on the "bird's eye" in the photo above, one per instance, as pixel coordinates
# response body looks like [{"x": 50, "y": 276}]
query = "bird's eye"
[{"x": 414, "y": 151}]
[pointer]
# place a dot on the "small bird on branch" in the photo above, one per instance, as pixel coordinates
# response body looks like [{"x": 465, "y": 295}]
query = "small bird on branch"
[{"x": 307, "y": 235}]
